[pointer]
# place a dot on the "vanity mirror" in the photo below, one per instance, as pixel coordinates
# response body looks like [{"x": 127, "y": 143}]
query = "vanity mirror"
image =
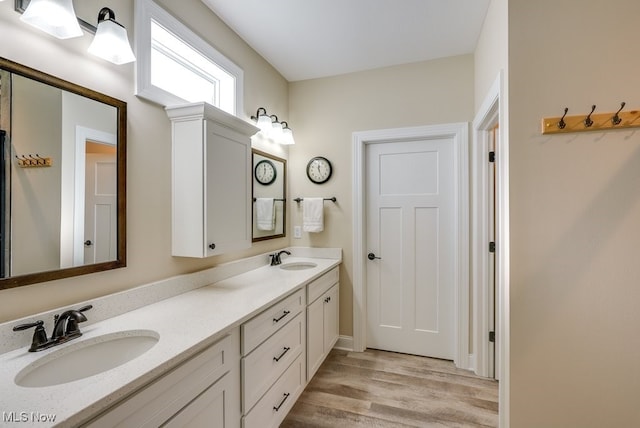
[
  {"x": 269, "y": 193},
  {"x": 62, "y": 178}
]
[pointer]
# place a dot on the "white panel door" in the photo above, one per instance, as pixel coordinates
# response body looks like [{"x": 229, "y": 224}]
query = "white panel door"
[
  {"x": 101, "y": 209},
  {"x": 411, "y": 228}
]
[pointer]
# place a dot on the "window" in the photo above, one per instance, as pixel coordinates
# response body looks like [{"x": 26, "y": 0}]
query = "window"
[{"x": 175, "y": 65}]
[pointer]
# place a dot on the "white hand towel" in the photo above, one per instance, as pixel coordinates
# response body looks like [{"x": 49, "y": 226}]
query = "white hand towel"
[
  {"x": 312, "y": 215},
  {"x": 265, "y": 214}
]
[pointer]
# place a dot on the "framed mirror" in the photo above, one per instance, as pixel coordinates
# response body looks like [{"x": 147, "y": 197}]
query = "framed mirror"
[
  {"x": 62, "y": 178},
  {"x": 269, "y": 196}
]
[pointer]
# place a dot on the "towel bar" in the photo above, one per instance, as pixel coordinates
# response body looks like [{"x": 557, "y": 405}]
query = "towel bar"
[{"x": 332, "y": 199}]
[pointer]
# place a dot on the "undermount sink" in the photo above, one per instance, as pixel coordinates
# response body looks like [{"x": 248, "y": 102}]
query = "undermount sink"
[
  {"x": 298, "y": 265},
  {"x": 87, "y": 358}
]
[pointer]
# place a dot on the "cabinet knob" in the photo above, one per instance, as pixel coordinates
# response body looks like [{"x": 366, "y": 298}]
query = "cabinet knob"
[{"x": 212, "y": 246}]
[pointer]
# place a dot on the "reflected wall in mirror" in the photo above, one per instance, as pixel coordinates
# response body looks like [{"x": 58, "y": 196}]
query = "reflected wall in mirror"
[
  {"x": 63, "y": 178},
  {"x": 269, "y": 193}
]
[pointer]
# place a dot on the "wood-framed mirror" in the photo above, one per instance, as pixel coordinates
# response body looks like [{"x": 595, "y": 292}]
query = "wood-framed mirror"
[
  {"x": 269, "y": 196},
  {"x": 63, "y": 178}
]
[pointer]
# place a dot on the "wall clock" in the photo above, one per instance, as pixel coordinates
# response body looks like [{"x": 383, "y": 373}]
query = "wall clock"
[
  {"x": 319, "y": 170},
  {"x": 265, "y": 172}
]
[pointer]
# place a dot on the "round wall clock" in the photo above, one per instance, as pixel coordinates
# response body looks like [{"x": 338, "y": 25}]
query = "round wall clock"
[
  {"x": 265, "y": 172},
  {"x": 319, "y": 170}
]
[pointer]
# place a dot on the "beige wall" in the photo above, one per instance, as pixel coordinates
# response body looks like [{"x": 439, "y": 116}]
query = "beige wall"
[
  {"x": 575, "y": 216},
  {"x": 491, "y": 51},
  {"x": 325, "y": 113},
  {"x": 149, "y": 145},
  {"x": 35, "y": 226}
]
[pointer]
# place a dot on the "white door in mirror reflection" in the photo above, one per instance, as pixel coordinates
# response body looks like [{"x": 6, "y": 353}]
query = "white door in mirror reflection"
[{"x": 100, "y": 207}]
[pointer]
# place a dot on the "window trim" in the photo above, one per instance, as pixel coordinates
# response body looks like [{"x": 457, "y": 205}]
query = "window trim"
[{"x": 147, "y": 10}]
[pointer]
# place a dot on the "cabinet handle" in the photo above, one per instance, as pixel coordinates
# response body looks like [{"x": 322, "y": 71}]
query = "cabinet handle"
[
  {"x": 279, "y": 357},
  {"x": 276, "y": 408},
  {"x": 284, "y": 314},
  {"x": 327, "y": 300},
  {"x": 212, "y": 246}
]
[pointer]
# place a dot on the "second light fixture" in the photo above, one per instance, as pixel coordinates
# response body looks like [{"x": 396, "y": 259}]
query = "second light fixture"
[{"x": 272, "y": 128}]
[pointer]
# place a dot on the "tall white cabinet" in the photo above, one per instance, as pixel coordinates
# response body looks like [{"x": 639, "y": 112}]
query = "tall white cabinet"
[{"x": 211, "y": 181}]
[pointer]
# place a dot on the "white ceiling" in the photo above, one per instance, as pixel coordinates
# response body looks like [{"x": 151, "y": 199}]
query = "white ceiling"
[{"x": 306, "y": 39}]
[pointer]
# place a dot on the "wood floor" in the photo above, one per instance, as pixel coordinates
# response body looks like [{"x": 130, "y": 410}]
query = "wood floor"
[{"x": 384, "y": 389}]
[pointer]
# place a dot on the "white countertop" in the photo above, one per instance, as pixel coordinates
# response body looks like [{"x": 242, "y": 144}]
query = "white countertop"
[{"x": 185, "y": 323}]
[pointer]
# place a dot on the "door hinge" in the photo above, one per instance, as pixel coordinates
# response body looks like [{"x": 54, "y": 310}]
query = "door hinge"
[
  {"x": 492, "y": 247},
  {"x": 492, "y": 336},
  {"x": 492, "y": 156}
]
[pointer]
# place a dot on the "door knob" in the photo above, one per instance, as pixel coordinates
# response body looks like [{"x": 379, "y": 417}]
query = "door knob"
[
  {"x": 88, "y": 243},
  {"x": 372, "y": 256}
]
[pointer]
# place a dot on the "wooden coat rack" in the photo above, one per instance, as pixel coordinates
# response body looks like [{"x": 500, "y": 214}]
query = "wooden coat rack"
[{"x": 591, "y": 122}]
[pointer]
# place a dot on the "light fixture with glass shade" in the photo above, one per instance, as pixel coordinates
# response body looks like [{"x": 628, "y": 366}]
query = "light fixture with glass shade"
[
  {"x": 276, "y": 129},
  {"x": 273, "y": 129},
  {"x": 55, "y": 17},
  {"x": 111, "y": 42},
  {"x": 263, "y": 121},
  {"x": 287, "y": 135}
]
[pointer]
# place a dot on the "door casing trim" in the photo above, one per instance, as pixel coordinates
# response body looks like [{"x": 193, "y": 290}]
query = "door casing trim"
[
  {"x": 459, "y": 133},
  {"x": 487, "y": 117}
]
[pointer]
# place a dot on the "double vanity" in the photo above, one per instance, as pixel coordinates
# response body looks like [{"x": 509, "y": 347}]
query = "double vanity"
[{"x": 231, "y": 346}]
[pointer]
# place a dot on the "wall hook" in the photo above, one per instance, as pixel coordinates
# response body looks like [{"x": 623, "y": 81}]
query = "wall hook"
[
  {"x": 588, "y": 122},
  {"x": 616, "y": 118},
  {"x": 562, "y": 124}
]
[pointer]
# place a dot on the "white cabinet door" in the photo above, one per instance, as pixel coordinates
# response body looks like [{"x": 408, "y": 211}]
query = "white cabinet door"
[
  {"x": 227, "y": 190},
  {"x": 315, "y": 337},
  {"x": 210, "y": 409},
  {"x": 322, "y": 329},
  {"x": 211, "y": 181},
  {"x": 331, "y": 306}
]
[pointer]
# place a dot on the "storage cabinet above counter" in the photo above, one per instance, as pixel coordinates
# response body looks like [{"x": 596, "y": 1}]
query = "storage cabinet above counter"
[{"x": 211, "y": 181}]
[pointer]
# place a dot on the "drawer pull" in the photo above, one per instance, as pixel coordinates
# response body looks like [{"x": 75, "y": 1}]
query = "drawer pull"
[
  {"x": 284, "y": 314},
  {"x": 276, "y": 408},
  {"x": 278, "y": 358}
]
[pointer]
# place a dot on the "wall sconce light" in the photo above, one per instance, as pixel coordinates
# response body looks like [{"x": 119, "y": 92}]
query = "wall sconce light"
[
  {"x": 276, "y": 128},
  {"x": 55, "y": 17},
  {"x": 58, "y": 18},
  {"x": 273, "y": 129},
  {"x": 263, "y": 121},
  {"x": 287, "y": 135},
  {"x": 111, "y": 41}
]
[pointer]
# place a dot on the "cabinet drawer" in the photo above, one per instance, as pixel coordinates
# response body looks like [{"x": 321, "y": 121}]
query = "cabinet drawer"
[
  {"x": 259, "y": 328},
  {"x": 160, "y": 400},
  {"x": 277, "y": 402},
  {"x": 265, "y": 365},
  {"x": 318, "y": 287}
]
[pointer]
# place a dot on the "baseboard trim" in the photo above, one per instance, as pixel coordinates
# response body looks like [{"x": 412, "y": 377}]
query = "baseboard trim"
[{"x": 344, "y": 343}]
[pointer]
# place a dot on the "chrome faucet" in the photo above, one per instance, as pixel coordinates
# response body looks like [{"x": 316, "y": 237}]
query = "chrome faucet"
[
  {"x": 65, "y": 329},
  {"x": 276, "y": 257}
]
